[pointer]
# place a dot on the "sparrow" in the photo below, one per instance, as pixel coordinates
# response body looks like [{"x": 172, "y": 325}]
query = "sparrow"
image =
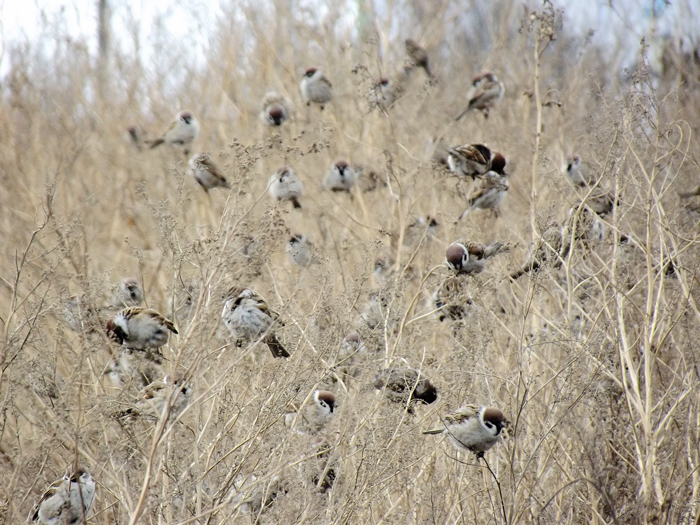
[
  {"x": 578, "y": 172},
  {"x": 128, "y": 293},
  {"x": 67, "y": 501},
  {"x": 451, "y": 299},
  {"x": 154, "y": 398},
  {"x": 206, "y": 173},
  {"x": 405, "y": 385},
  {"x": 383, "y": 93},
  {"x": 300, "y": 251},
  {"x": 285, "y": 185},
  {"x": 547, "y": 249},
  {"x": 140, "y": 368},
  {"x": 181, "y": 132},
  {"x": 340, "y": 177},
  {"x": 584, "y": 225},
  {"x": 422, "y": 228},
  {"x": 382, "y": 270},
  {"x": 418, "y": 55},
  {"x": 316, "y": 88},
  {"x": 469, "y": 160},
  {"x": 351, "y": 348},
  {"x": 488, "y": 193},
  {"x": 368, "y": 179},
  {"x": 254, "y": 497},
  {"x": 314, "y": 416},
  {"x": 692, "y": 193},
  {"x": 471, "y": 257},
  {"x": 247, "y": 317},
  {"x": 473, "y": 428},
  {"x": 275, "y": 109},
  {"x": 140, "y": 328},
  {"x": 485, "y": 93}
]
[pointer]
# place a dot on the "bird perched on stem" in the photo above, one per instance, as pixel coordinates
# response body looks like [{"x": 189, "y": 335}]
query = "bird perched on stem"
[
  {"x": 248, "y": 318},
  {"x": 418, "y": 55},
  {"x": 485, "y": 93},
  {"x": 140, "y": 328},
  {"x": 286, "y": 185},
  {"x": 473, "y": 428},
  {"x": 67, "y": 501},
  {"x": 182, "y": 132},
  {"x": 206, "y": 173},
  {"x": 471, "y": 257},
  {"x": 316, "y": 88},
  {"x": 275, "y": 109}
]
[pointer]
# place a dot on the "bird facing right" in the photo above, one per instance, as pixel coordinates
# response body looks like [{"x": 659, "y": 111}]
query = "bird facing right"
[
  {"x": 486, "y": 92},
  {"x": 247, "y": 317},
  {"x": 182, "y": 131},
  {"x": 206, "y": 173},
  {"x": 473, "y": 428},
  {"x": 67, "y": 501}
]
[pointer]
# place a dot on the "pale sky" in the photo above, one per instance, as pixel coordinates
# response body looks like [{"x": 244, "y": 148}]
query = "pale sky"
[{"x": 22, "y": 19}]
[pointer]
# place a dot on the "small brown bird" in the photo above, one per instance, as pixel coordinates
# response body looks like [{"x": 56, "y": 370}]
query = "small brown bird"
[
  {"x": 473, "y": 428},
  {"x": 486, "y": 92},
  {"x": 340, "y": 177},
  {"x": 316, "y": 88},
  {"x": 286, "y": 185},
  {"x": 471, "y": 257},
  {"x": 405, "y": 385},
  {"x": 183, "y": 130},
  {"x": 418, "y": 55},
  {"x": 577, "y": 172},
  {"x": 128, "y": 293},
  {"x": 546, "y": 250},
  {"x": 140, "y": 328},
  {"x": 470, "y": 160},
  {"x": 275, "y": 109},
  {"x": 300, "y": 250},
  {"x": 206, "y": 173},
  {"x": 155, "y": 397},
  {"x": 313, "y": 417},
  {"x": 692, "y": 193},
  {"x": 247, "y": 317},
  {"x": 488, "y": 194},
  {"x": 67, "y": 501}
]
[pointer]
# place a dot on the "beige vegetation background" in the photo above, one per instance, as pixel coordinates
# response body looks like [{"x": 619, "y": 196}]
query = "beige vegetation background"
[{"x": 594, "y": 362}]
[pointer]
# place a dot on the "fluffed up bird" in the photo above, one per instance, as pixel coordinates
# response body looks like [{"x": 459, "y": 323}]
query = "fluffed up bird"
[
  {"x": 286, "y": 185},
  {"x": 158, "y": 395},
  {"x": 340, "y": 177},
  {"x": 488, "y": 194},
  {"x": 471, "y": 257},
  {"x": 485, "y": 93},
  {"x": 275, "y": 109},
  {"x": 206, "y": 173},
  {"x": 316, "y": 88},
  {"x": 405, "y": 385},
  {"x": 128, "y": 293},
  {"x": 247, "y": 317},
  {"x": 300, "y": 250},
  {"x": 473, "y": 428},
  {"x": 577, "y": 172},
  {"x": 313, "y": 416},
  {"x": 182, "y": 132},
  {"x": 140, "y": 328},
  {"x": 67, "y": 501}
]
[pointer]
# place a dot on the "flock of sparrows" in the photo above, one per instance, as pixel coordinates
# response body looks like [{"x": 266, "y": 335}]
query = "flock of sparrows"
[{"x": 140, "y": 332}]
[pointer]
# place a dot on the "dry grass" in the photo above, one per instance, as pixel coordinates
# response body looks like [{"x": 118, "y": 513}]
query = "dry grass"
[{"x": 593, "y": 362}]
